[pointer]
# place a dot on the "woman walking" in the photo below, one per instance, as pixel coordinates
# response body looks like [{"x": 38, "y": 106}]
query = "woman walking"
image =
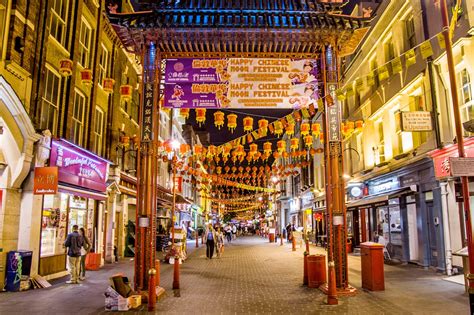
[
  {"x": 210, "y": 237},
  {"x": 219, "y": 242},
  {"x": 84, "y": 250}
]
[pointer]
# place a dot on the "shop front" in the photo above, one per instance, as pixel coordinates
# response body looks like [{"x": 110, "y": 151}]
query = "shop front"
[
  {"x": 401, "y": 211},
  {"x": 80, "y": 200},
  {"x": 319, "y": 217},
  {"x": 307, "y": 206}
]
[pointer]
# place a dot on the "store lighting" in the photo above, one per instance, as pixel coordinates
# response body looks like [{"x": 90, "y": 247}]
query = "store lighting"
[
  {"x": 175, "y": 144},
  {"x": 260, "y": 198},
  {"x": 274, "y": 179},
  {"x": 346, "y": 176}
]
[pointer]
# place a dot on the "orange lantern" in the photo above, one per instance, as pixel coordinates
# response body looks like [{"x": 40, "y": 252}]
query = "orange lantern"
[
  {"x": 263, "y": 124},
  {"x": 219, "y": 119},
  {"x": 184, "y": 148},
  {"x": 240, "y": 150},
  {"x": 226, "y": 151},
  {"x": 86, "y": 76},
  {"x": 197, "y": 149},
  {"x": 232, "y": 122},
  {"x": 184, "y": 112},
  {"x": 278, "y": 128},
  {"x": 321, "y": 137},
  {"x": 290, "y": 129},
  {"x": 65, "y": 67},
  {"x": 267, "y": 147},
  {"x": 200, "y": 115},
  {"x": 359, "y": 124},
  {"x": 281, "y": 146},
  {"x": 253, "y": 148},
  {"x": 219, "y": 169},
  {"x": 308, "y": 140},
  {"x": 125, "y": 92},
  {"x": 108, "y": 85},
  {"x": 211, "y": 151},
  {"x": 168, "y": 147},
  {"x": 315, "y": 129},
  {"x": 294, "y": 143},
  {"x": 304, "y": 128},
  {"x": 248, "y": 123},
  {"x": 350, "y": 126}
]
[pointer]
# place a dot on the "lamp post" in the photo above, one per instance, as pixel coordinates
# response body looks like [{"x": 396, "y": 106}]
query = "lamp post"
[{"x": 174, "y": 146}]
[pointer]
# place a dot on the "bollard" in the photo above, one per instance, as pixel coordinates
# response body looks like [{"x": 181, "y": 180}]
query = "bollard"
[
  {"x": 197, "y": 239},
  {"x": 157, "y": 268},
  {"x": 332, "y": 293},
  {"x": 307, "y": 245},
  {"x": 151, "y": 289},
  {"x": 176, "y": 273}
]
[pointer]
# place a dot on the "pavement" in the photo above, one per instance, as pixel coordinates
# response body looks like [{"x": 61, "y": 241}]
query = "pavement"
[{"x": 252, "y": 277}]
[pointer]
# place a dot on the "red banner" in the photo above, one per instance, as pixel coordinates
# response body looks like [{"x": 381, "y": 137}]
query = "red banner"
[{"x": 45, "y": 181}]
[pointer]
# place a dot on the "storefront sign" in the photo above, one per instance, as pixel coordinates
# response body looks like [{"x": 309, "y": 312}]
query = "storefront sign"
[
  {"x": 147, "y": 115},
  {"x": 45, "y": 181},
  {"x": 383, "y": 185},
  {"x": 178, "y": 184},
  {"x": 441, "y": 158},
  {"x": 355, "y": 191},
  {"x": 240, "y": 83},
  {"x": 334, "y": 124},
  {"x": 307, "y": 200},
  {"x": 462, "y": 166},
  {"x": 416, "y": 121},
  {"x": 78, "y": 167}
]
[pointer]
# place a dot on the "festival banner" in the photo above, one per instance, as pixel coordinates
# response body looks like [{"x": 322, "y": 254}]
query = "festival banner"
[{"x": 241, "y": 83}]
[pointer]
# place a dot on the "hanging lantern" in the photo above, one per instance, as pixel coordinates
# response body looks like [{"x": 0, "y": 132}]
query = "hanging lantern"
[
  {"x": 108, "y": 85},
  {"x": 200, "y": 115},
  {"x": 65, "y": 67},
  {"x": 294, "y": 143},
  {"x": 248, "y": 123},
  {"x": 219, "y": 169},
  {"x": 308, "y": 140},
  {"x": 359, "y": 124},
  {"x": 253, "y": 148},
  {"x": 197, "y": 149},
  {"x": 232, "y": 122},
  {"x": 278, "y": 128},
  {"x": 86, "y": 76},
  {"x": 240, "y": 151},
  {"x": 263, "y": 125},
  {"x": 290, "y": 129},
  {"x": 219, "y": 119},
  {"x": 226, "y": 151},
  {"x": 281, "y": 146},
  {"x": 304, "y": 128},
  {"x": 126, "y": 92},
  {"x": 168, "y": 147},
  {"x": 315, "y": 129},
  {"x": 184, "y": 112},
  {"x": 257, "y": 156},
  {"x": 276, "y": 154},
  {"x": 211, "y": 151},
  {"x": 184, "y": 148},
  {"x": 267, "y": 147},
  {"x": 350, "y": 126},
  {"x": 321, "y": 137}
]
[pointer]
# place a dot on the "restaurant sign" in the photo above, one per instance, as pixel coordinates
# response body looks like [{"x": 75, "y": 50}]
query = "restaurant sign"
[
  {"x": 45, "y": 181},
  {"x": 240, "y": 83},
  {"x": 442, "y": 158},
  {"x": 77, "y": 166},
  {"x": 416, "y": 121}
]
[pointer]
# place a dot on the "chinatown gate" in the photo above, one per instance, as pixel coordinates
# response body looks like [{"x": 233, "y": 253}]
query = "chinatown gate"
[{"x": 310, "y": 29}]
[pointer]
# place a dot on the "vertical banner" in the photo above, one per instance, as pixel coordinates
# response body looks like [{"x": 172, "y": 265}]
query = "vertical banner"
[
  {"x": 333, "y": 116},
  {"x": 147, "y": 127}
]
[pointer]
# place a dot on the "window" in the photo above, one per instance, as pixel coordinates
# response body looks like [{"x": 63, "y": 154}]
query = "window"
[
  {"x": 373, "y": 67},
  {"x": 389, "y": 51},
  {"x": 416, "y": 103},
  {"x": 360, "y": 151},
  {"x": 398, "y": 133},
  {"x": 50, "y": 101},
  {"x": 57, "y": 27},
  {"x": 98, "y": 131},
  {"x": 85, "y": 44},
  {"x": 78, "y": 118},
  {"x": 103, "y": 63},
  {"x": 465, "y": 95},
  {"x": 410, "y": 32},
  {"x": 3, "y": 15},
  {"x": 379, "y": 150}
]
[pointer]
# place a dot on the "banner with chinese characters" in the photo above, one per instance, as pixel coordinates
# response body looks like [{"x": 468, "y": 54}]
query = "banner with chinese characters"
[
  {"x": 147, "y": 125},
  {"x": 45, "y": 181},
  {"x": 241, "y": 83},
  {"x": 416, "y": 121}
]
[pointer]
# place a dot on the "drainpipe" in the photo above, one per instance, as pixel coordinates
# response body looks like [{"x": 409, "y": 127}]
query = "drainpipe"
[{"x": 446, "y": 231}]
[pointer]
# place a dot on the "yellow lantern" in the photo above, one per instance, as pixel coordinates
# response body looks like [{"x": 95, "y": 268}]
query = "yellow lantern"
[
  {"x": 197, "y": 149},
  {"x": 294, "y": 143},
  {"x": 184, "y": 148},
  {"x": 253, "y": 148},
  {"x": 359, "y": 124},
  {"x": 304, "y": 128},
  {"x": 278, "y": 128},
  {"x": 240, "y": 150},
  {"x": 267, "y": 147},
  {"x": 308, "y": 140},
  {"x": 315, "y": 129},
  {"x": 232, "y": 122},
  {"x": 200, "y": 115},
  {"x": 219, "y": 119},
  {"x": 184, "y": 112},
  {"x": 281, "y": 146},
  {"x": 321, "y": 137},
  {"x": 211, "y": 151},
  {"x": 262, "y": 125},
  {"x": 248, "y": 123},
  {"x": 219, "y": 169},
  {"x": 350, "y": 126},
  {"x": 226, "y": 151},
  {"x": 290, "y": 129}
]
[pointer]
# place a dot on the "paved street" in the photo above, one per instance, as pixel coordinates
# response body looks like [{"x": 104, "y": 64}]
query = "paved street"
[{"x": 252, "y": 277}]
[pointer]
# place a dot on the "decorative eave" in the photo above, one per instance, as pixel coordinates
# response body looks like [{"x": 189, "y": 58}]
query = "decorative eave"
[{"x": 224, "y": 33}]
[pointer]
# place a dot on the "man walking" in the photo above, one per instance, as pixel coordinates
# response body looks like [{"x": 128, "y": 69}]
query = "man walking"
[{"x": 74, "y": 243}]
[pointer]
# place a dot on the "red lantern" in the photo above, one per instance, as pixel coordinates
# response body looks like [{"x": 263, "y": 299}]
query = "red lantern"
[
  {"x": 304, "y": 128},
  {"x": 184, "y": 148},
  {"x": 281, "y": 146},
  {"x": 248, "y": 124},
  {"x": 198, "y": 149},
  {"x": 263, "y": 125},
  {"x": 200, "y": 115},
  {"x": 184, "y": 112},
  {"x": 219, "y": 119},
  {"x": 290, "y": 129},
  {"x": 253, "y": 148},
  {"x": 267, "y": 147},
  {"x": 125, "y": 92},
  {"x": 108, "y": 85},
  {"x": 294, "y": 143},
  {"x": 65, "y": 67},
  {"x": 308, "y": 140},
  {"x": 232, "y": 122},
  {"x": 86, "y": 76}
]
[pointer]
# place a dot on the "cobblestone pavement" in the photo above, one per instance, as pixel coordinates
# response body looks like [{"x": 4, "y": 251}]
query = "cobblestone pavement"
[{"x": 252, "y": 277}]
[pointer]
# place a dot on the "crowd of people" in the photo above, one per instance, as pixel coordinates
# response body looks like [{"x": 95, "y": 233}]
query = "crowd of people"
[{"x": 216, "y": 236}]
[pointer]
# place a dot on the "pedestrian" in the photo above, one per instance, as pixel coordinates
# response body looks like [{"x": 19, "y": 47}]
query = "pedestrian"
[
  {"x": 86, "y": 247},
  {"x": 228, "y": 233},
  {"x": 219, "y": 243},
  {"x": 210, "y": 240},
  {"x": 74, "y": 243},
  {"x": 234, "y": 232}
]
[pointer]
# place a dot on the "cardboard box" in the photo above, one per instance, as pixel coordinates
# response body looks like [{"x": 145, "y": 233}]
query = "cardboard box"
[
  {"x": 114, "y": 301},
  {"x": 134, "y": 301}
]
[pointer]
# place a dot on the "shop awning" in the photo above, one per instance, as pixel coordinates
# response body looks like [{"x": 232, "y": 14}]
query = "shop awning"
[
  {"x": 82, "y": 192},
  {"x": 379, "y": 200}
]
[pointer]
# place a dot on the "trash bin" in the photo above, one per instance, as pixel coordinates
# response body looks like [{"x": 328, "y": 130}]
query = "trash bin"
[
  {"x": 316, "y": 270},
  {"x": 372, "y": 266},
  {"x": 93, "y": 261},
  {"x": 18, "y": 267},
  {"x": 271, "y": 237}
]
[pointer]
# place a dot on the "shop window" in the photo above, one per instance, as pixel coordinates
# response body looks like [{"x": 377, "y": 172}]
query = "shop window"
[
  {"x": 389, "y": 51},
  {"x": 58, "y": 23},
  {"x": 50, "y": 101},
  {"x": 410, "y": 32},
  {"x": 103, "y": 63},
  {"x": 98, "y": 131},
  {"x": 78, "y": 118},
  {"x": 85, "y": 43},
  {"x": 465, "y": 95},
  {"x": 54, "y": 224}
]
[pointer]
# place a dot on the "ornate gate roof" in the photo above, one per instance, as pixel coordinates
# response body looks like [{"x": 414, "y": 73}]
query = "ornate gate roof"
[{"x": 258, "y": 28}]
